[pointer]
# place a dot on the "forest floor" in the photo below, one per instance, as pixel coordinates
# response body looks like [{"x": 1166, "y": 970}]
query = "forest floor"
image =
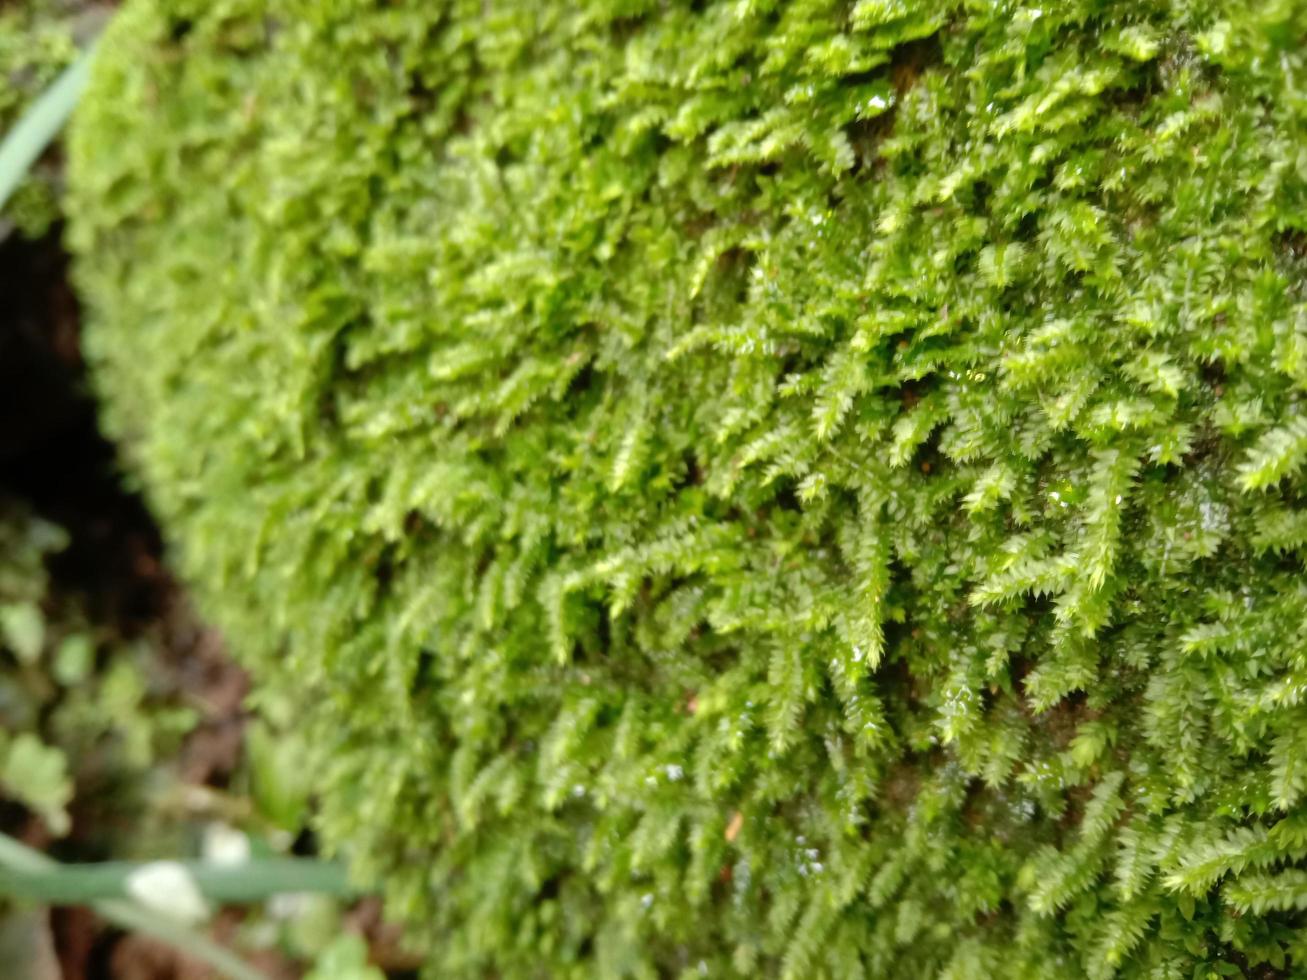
[{"x": 54, "y": 460}]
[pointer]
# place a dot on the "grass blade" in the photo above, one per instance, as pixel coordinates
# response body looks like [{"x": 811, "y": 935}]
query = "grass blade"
[
  {"x": 19, "y": 859},
  {"x": 249, "y": 881},
  {"x": 38, "y": 127}
]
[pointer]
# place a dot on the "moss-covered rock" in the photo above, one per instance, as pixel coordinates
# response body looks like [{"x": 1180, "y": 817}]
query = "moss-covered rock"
[{"x": 742, "y": 488}]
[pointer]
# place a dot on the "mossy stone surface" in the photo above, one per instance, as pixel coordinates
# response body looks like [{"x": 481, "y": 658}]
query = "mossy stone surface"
[{"x": 742, "y": 488}]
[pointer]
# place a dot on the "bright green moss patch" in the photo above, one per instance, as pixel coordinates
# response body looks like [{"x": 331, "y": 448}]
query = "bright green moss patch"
[{"x": 743, "y": 488}]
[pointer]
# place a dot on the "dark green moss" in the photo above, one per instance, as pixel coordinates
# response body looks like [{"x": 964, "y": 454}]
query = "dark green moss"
[{"x": 742, "y": 488}]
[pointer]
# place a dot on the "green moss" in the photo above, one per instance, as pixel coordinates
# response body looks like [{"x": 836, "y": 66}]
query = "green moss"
[{"x": 742, "y": 488}]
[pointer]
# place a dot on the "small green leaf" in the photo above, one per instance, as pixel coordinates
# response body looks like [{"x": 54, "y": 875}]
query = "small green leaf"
[
  {"x": 23, "y": 627},
  {"x": 345, "y": 959},
  {"x": 74, "y": 659},
  {"x": 1185, "y": 903},
  {"x": 37, "y": 775}
]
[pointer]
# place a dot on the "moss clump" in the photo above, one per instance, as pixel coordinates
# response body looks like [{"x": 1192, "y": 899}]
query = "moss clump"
[{"x": 743, "y": 487}]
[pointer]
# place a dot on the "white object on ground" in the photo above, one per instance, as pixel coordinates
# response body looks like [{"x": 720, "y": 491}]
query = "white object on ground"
[{"x": 168, "y": 888}]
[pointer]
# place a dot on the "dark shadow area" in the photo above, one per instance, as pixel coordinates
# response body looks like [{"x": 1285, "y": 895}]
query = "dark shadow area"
[{"x": 52, "y": 454}]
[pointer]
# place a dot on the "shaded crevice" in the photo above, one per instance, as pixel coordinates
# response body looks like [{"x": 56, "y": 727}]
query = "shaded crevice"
[{"x": 52, "y": 455}]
